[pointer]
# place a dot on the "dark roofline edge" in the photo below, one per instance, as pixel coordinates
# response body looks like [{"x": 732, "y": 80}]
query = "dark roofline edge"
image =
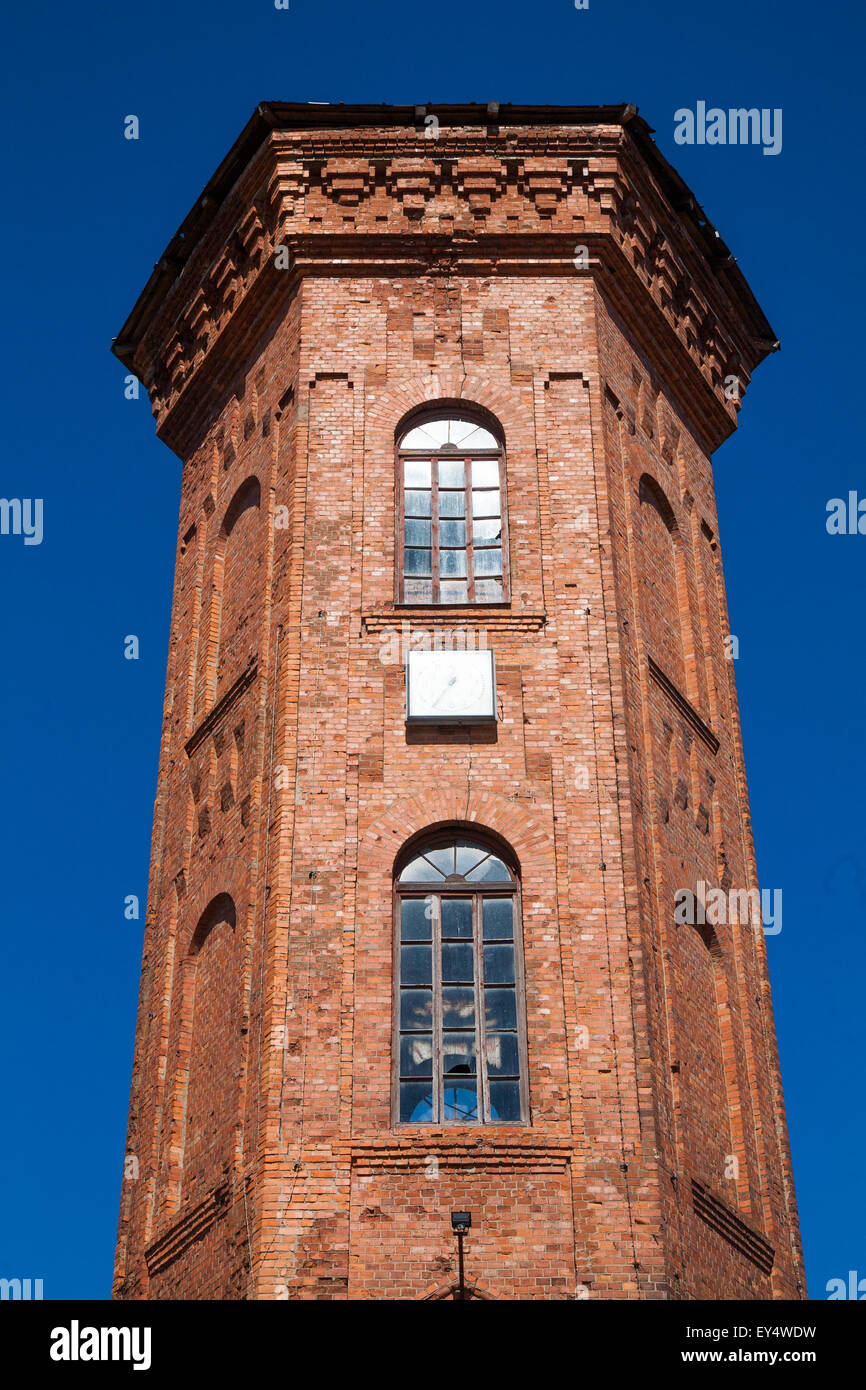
[{"x": 281, "y": 115}]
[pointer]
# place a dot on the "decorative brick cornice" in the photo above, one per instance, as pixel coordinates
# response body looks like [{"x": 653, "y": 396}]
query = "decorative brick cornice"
[{"x": 594, "y": 184}]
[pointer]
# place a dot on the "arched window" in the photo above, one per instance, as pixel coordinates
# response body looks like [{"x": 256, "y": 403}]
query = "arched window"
[
  {"x": 452, "y": 528},
  {"x": 460, "y": 1045}
]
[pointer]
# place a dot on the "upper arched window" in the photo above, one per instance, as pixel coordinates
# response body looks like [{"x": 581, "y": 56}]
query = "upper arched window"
[
  {"x": 452, "y": 528},
  {"x": 460, "y": 1044}
]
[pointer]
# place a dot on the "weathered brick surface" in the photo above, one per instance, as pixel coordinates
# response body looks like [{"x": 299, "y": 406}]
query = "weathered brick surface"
[{"x": 268, "y": 1165}]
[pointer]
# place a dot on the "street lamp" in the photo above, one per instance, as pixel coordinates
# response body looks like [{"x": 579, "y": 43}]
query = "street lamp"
[{"x": 460, "y": 1222}]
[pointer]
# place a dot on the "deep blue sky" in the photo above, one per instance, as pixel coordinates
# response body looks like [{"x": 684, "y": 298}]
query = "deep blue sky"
[{"x": 87, "y": 214}]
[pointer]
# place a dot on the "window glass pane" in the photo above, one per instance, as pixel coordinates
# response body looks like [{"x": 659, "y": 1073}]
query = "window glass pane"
[
  {"x": 416, "y": 1102},
  {"x": 485, "y": 503},
  {"x": 416, "y": 964},
  {"x": 416, "y": 472},
  {"x": 418, "y": 532},
  {"x": 467, "y": 432},
  {"x": 491, "y": 871},
  {"x": 488, "y": 561},
  {"x": 497, "y": 918},
  {"x": 420, "y": 870},
  {"x": 457, "y": 917},
  {"x": 498, "y": 964},
  {"x": 416, "y": 1054},
  {"x": 468, "y": 855},
  {"x": 416, "y": 1010},
  {"x": 451, "y": 504},
  {"x": 460, "y": 1103},
  {"x": 418, "y": 504},
  {"x": 489, "y": 591},
  {"x": 457, "y": 963},
  {"x": 417, "y": 561},
  {"x": 485, "y": 473},
  {"x": 447, "y": 430},
  {"x": 443, "y": 858},
  {"x": 486, "y": 532},
  {"x": 454, "y": 591},
  {"x": 418, "y": 590},
  {"x": 500, "y": 1009},
  {"x": 452, "y": 533},
  {"x": 452, "y": 563},
  {"x": 451, "y": 473},
  {"x": 429, "y": 435},
  {"x": 504, "y": 1100},
  {"x": 458, "y": 1007},
  {"x": 502, "y": 1054},
  {"x": 416, "y": 919},
  {"x": 458, "y": 1053}
]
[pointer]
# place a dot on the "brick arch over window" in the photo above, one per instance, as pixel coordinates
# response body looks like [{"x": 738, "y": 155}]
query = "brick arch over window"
[
  {"x": 473, "y": 1291},
  {"x": 663, "y": 588},
  {"x": 210, "y": 1047},
  {"x": 486, "y": 812},
  {"x": 452, "y": 523},
  {"x": 236, "y": 590},
  {"x": 461, "y": 407},
  {"x": 386, "y": 411},
  {"x": 494, "y": 843}
]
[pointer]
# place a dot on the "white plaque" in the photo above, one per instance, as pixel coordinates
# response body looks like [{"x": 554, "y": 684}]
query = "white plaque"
[{"x": 450, "y": 688}]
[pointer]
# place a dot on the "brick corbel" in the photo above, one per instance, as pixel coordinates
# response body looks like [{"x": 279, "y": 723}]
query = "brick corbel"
[
  {"x": 348, "y": 181},
  {"x": 412, "y": 181},
  {"x": 199, "y": 322},
  {"x": 481, "y": 181},
  {"x": 252, "y": 236},
  {"x": 287, "y": 189},
  {"x": 545, "y": 182}
]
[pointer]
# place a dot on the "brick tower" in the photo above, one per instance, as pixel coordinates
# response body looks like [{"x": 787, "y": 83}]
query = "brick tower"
[{"x": 449, "y": 728}]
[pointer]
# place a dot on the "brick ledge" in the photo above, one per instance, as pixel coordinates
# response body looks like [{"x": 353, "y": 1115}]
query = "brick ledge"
[
  {"x": 531, "y": 620},
  {"x": 215, "y": 716},
  {"x": 191, "y": 1227},
  {"x": 415, "y": 1152},
  {"x": 686, "y": 709},
  {"x": 732, "y": 1228}
]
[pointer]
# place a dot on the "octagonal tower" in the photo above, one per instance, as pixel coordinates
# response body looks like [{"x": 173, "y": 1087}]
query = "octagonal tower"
[{"x": 446, "y": 384}]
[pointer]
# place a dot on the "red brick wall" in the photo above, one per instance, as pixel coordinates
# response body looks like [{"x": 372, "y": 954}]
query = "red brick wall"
[
  {"x": 288, "y": 781},
  {"x": 713, "y": 1064}
]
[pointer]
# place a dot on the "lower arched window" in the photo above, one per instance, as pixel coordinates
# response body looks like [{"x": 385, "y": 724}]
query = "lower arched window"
[{"x": 460, "y": 1045}]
